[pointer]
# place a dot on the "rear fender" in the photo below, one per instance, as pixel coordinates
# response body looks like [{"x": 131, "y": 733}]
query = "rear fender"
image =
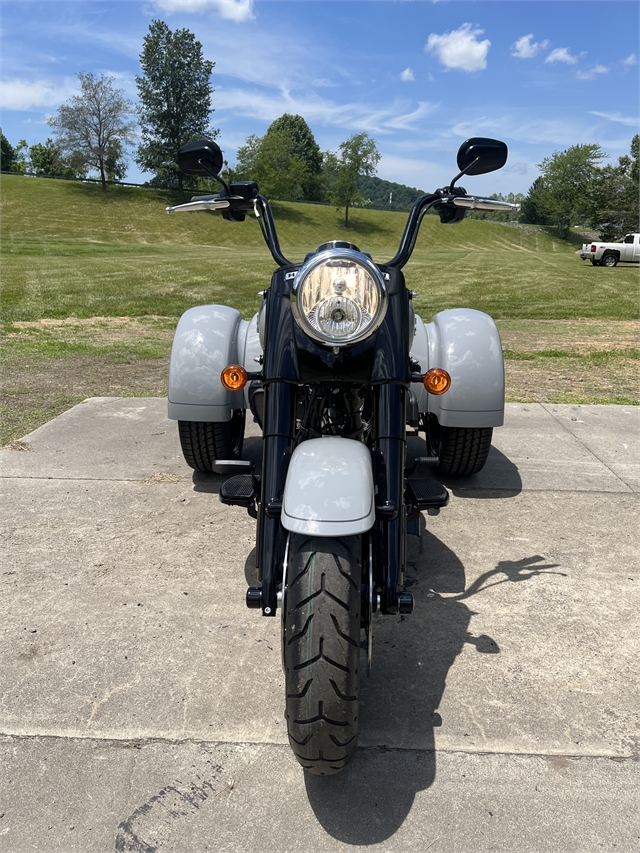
[
  {"x": 329, "y": 488},
  {"x": 466, "y": 343},
  {"x": 207, "y": 339}
]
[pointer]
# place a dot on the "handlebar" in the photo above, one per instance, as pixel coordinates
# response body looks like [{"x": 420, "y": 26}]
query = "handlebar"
[
  {"x": 441, "y": 200},
  {"x": 201, "y": 204},
  {"x": 475, "y": 203}
]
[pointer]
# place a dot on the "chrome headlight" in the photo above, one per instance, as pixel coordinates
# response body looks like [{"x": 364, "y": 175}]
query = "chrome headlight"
[{"x": 339, "y": 297}]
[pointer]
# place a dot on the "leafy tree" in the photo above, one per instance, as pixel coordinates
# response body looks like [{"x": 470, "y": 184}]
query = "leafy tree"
[
  {"x": 303, "y": 150},
  {"x": 90, "y": 123},
  {"x": 286, "y": 162},
  {"x": 358, "y": 157},
  {"x": 7, "y": 154},
  {"x": 615, "y": 206},
  {"x": 115, "y": 163},
  {"x": 48, "y": 160},
  {"x": 567, "y": 181},
  {"x": 175, "y": 99},
  {"x": 536, "y": 204}
]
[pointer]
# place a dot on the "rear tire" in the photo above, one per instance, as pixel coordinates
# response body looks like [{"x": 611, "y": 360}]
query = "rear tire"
[
  {"x": 609, "y": 261},
  {"x": 202, "y": 443},
  {"x": 322, "y": 650},
  {"x": 463, "y": 450}
]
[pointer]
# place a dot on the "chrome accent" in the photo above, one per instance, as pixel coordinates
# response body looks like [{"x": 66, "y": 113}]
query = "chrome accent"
[
  {"x": 282, "y": 597},
  {"x": 191, "y": 206},
  {"x": 370, "y": 602},
  {"x": 475, "y": 203}
]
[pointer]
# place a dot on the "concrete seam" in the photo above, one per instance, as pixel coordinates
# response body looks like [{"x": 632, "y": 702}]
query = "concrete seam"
[
  {"x": 588, "y": 449},
  {"x": 138, "y": 743}
]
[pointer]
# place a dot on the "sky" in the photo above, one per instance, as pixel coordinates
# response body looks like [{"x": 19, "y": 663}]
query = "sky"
[{"x": 420, "y": 76}]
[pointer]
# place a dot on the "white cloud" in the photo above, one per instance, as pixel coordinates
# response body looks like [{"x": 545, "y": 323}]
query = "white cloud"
[
  {"x": 460, "y": 49},
  {"x": 592, "y": 73},
  {"x": 407, "y": 76},
  {"x": 524, "y": 48},
  {"x": 267, "y": 106},
  {"x": 562, "y": 54},
  {"x": 232, "y": 10},
  {"x": 632, "y": 59},
  {"x": 35, "y": 94},
  {"x": 617, "y": 117}
]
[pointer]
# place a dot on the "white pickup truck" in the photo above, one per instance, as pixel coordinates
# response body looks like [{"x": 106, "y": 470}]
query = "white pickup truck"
[{"x": 610, "y": 254}]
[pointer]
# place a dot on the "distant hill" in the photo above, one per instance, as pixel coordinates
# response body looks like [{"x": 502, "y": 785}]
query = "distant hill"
[{"x": 379, "y": 192}]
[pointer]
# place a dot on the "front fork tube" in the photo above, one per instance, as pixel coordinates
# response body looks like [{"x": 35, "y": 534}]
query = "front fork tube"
[
  {"x": 389, "y": 462},
  {"x": 276, "y": 453}
]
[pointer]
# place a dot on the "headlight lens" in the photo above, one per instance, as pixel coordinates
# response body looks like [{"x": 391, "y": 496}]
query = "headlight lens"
[{"x": 339, "y": 297}]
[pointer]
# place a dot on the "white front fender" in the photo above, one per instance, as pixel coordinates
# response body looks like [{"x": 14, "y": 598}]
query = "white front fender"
[{"x": 329, "y": 488}]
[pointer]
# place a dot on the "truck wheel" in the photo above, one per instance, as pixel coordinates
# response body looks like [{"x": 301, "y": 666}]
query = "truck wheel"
[
  {"x": 463, "y": 450},
  {"x": 595, "y": 263},
  {"x": 609, "y": 261},
  {"x": 202, "y": 443},
  {"x": 322, "y": 650}
]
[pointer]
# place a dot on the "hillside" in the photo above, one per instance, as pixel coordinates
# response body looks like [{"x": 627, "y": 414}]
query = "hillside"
[
  {"x": 69, "y": 247},
  {"x": 92, "y": 286}
]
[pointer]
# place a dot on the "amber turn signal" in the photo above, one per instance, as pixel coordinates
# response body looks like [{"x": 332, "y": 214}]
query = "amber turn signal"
[
  {"x": 234, "y": 377},
  {"x": 437, "y": 380}
]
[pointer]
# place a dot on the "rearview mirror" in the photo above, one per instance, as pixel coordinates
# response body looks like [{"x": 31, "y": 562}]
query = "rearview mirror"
[
  {"x": 478, "y": 155},
  {"x": 202, "y": 158}
]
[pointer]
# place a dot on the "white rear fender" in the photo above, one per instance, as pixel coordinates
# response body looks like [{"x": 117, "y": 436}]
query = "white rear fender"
[
  {"x": 329, "y": 488},
  {"x": 207, "y": 339},
  {"x": 466, "y": 343}
]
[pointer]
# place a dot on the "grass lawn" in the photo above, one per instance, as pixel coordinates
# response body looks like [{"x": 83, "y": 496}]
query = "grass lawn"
[{"x": 93, "y": 284}]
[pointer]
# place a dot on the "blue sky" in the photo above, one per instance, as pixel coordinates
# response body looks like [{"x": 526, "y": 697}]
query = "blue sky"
[{"x": 419, "y": 76}]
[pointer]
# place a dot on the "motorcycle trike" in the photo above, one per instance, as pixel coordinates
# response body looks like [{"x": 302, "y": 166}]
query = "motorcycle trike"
[{"x": 337, "y": 369}]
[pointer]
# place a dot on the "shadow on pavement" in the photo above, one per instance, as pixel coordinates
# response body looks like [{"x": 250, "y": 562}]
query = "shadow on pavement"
[{"x": 369, "y": 801}]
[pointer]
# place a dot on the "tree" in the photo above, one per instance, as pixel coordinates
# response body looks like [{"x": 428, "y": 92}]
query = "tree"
[
  {"x": 614, "y": 197},
  {"x": 567, "y": 181},
  {"x": 286, "y": 162},
  {"x": 115, "y": 163},
  {"x": 303, "y": 150},
  {"x": 358, "y": 157},
  {"x": 175, "y": 100},
  {"x": 90, "y": 123},
  {"x": 7, "y": 154},
  {"x": 48, "y": 160}
]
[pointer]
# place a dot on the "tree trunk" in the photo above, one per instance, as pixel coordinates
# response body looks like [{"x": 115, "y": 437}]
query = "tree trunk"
[
  {"x": 346, "y": 215},
  {"x": 103, "y": 177},
  {"x": 180, "y": 186}
]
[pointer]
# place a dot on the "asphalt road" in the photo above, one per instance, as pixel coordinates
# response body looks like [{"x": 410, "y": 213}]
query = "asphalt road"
[{"x": 142, "y": 703}]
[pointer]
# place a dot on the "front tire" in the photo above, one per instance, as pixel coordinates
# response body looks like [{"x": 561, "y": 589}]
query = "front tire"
[
  {"x": 322, "y": 650},
  {"x": 463, "y": 450},
  {"x": 202, "y": 443}
]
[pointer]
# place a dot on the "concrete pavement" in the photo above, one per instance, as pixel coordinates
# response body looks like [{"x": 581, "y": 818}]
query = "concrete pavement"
[{"x": 142, "y": 703}]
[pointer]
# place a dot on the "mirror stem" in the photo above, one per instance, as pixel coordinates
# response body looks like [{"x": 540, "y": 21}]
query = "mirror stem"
[
  {"x": 215, "y": 177},
  {"x": 463, "y": 172}
]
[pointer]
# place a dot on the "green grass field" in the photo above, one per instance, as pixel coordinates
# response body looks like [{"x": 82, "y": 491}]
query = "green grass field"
[{"x": 72, "y": 254}]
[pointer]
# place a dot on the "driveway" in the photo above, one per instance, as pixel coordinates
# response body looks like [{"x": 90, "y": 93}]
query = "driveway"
[{"x": 142, "y": 703}]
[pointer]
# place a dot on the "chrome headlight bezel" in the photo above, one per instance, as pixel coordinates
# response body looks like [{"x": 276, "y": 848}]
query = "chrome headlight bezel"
[{"x": 306, "y": 322}]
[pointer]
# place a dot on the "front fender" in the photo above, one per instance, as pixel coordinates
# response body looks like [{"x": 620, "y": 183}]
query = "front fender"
[
  {"x": 329, "y": 488},
  {"x": 466, "y": 343}
]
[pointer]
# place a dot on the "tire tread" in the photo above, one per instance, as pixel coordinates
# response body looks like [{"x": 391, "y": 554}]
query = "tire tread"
[{"x": 322, "y": 651}]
